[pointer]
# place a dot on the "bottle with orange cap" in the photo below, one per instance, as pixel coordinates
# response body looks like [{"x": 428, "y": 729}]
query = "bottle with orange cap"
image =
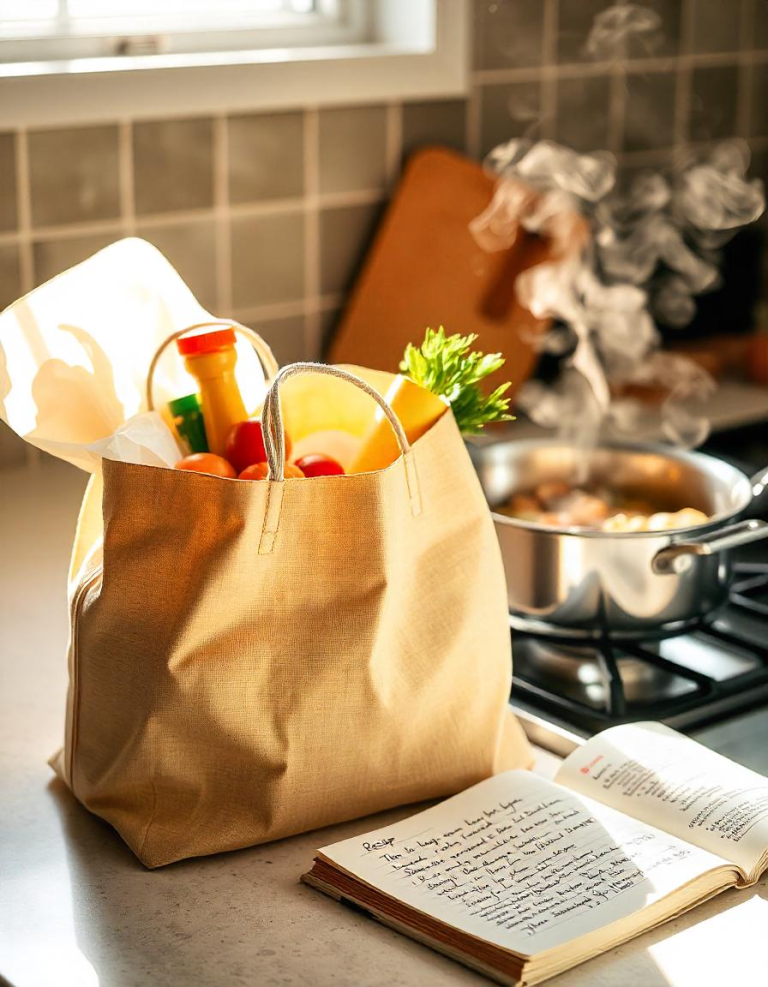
[{"x": 211, "y": 357}]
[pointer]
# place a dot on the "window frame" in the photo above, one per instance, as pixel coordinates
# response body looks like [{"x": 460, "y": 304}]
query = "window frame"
[
  {"x": 26, "y": 52},
  {"x": 414, "y": 49}
]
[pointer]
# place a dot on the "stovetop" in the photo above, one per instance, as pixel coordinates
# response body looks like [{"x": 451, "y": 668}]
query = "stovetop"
[
  {"x": 565, "y": 691},
  {"x": 711, "y": 671}
]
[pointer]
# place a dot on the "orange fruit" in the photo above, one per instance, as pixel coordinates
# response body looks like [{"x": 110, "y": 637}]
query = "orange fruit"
[
  {"x": 259, "y": 471},
  {"x": 207, "y": 462}
]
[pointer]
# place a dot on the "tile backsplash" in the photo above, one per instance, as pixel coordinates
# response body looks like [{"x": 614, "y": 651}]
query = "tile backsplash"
[{"x": 268, "y": 216}]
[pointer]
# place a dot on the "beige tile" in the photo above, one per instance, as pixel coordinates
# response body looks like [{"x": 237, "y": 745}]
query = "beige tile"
[
  {"x": 10, "y": 274},
  {"x": 508, "y": 35},
  {"x": 714, "y": 101},
  {"x": 345, "y": 235},
  {"x": 266, "y": 157},
  {"x": 267, "y": 259},
  {"x": 716, "y": 25},
  {"x": 173, "y": 165},
  {"x": 759, "y": 123},
  {"x": 13, "y": 450},
  {"x": 8, "y": 217},
  {"x": 286, "y": 337},
  {"x": 576, "y": 19},
  {"x": 649, "y": 120},
  {"x": 352, "y": 149},
  {"x": 759, "y": 33},
  {"x": 582, "y": 112},
  {"x": 74, "y": 175},
  {"x": 191, "y": 248},
  {"x": 442, "y": 123},
  {"x": 51, "y": 257},
  {"x": 507, "y": 111},
  {"x": 329, "y": 323}
]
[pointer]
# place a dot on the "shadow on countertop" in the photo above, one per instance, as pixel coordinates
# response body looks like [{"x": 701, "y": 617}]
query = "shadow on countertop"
[
  {"x": 242, "y": 918},
  {"x": 237, "y": 918}
]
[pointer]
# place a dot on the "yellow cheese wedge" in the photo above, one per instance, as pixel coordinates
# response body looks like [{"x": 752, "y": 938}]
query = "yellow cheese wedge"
[{"x": 417, "y": 409}]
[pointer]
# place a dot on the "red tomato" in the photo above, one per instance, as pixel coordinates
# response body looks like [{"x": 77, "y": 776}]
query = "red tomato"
[
  {"x": 245, "y": 444},
  {"x": 259, "y": 471},
  {"x": 206, "y": 462},
  {"x": 315, "y": 464}
]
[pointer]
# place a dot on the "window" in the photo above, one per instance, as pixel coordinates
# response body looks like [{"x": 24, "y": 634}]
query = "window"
[
  {"x": 37, "y": 31},
  {"x": 155, "y": 58}
]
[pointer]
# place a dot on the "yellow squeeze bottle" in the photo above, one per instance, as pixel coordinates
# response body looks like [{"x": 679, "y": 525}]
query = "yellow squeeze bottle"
[{"x": 210, "y": 357}]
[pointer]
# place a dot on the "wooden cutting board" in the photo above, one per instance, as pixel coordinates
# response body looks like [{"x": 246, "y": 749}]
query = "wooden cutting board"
[{"x": 425, "y": 269}]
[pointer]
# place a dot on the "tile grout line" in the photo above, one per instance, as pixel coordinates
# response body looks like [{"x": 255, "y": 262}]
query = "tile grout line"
[
  {"x": 312, "y": 341},
  {"x": 548, "y": 80},
  {"x": 26, "y": 253},
  {"x": 393, "y": 146},
  {"x": 683, "y": 80},
  {"x": 653, "y": 154},
  {"x": 24, "y": 212},
  {"x": 64, "y": 232},
  {"x": 577, "y": 70},
  {"x": 125, "y": 165},
  {"x": 221, "y": 215},
  {"x": 617, "y": 109},
  {"x": 746, "y": 71},
  {"x": 287, "y": 310},
  {"x": 472, "y": 122},
  {"x": 151, "y": 220}
]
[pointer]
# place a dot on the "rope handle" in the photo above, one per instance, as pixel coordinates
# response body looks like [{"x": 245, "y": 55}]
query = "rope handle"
[
  {"x": 272, "y": 418},
  {"x": 264, "y": 353}
]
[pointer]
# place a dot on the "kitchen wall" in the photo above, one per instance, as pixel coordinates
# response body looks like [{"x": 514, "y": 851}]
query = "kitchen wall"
[{"x": 268, "y": 216}]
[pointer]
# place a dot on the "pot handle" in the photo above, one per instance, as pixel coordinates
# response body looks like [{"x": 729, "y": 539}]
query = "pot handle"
[
  {"x": 678, "y": 556},
  {"x": 759, "y": 482}
]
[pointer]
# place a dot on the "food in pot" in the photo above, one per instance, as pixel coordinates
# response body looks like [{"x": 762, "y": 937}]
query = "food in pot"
[
  {"x": 688, "y": 517},
  {"x": 559, "y": 504},
  {"x": 207, "y": 462}
]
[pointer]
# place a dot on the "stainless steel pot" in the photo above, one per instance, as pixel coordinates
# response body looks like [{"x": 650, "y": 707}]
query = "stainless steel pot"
[{"x": 580, "y": 583}]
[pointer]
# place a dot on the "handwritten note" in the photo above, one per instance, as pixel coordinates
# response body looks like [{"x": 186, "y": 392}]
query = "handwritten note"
[
  {"x": 668, "y": 780},
  {"x": 522, "y": 862}
]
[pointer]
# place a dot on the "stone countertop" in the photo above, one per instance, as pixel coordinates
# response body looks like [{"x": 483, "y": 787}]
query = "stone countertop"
[{"x": 78, "y": 910}]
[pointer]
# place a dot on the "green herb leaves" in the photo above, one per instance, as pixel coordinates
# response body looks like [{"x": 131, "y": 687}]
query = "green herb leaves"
[{"x": 445, "y": 366}]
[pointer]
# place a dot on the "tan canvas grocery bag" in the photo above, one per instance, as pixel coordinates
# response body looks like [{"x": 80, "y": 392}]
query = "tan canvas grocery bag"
[{"x": 253, "y": 659}]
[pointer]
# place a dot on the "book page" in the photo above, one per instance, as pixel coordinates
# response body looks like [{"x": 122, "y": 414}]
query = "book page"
[
  {"x": 522, "y": 863},
  {"x": 656, "y": 774}
]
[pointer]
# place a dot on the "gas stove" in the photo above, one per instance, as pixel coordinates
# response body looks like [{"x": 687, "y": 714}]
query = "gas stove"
[
  {"x": 564, "y": 691},
  {"x": 711, "y": 671}
]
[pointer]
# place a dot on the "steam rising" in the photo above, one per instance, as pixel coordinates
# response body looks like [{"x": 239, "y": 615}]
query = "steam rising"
[
  {"x": 623, "y": 30},
  {"x": 620, "y": 263}
]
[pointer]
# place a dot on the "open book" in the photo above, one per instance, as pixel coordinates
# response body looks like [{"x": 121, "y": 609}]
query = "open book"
[{"x": 521, "y": 878}]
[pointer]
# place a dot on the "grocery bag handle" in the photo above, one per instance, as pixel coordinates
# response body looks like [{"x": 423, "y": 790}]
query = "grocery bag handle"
[
  {"x": 264, "y": 353},
  {"x": 274, "y": 438}
]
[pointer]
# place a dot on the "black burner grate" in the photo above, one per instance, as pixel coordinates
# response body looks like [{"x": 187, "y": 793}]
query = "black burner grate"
[{"x": 711, "y": 671}]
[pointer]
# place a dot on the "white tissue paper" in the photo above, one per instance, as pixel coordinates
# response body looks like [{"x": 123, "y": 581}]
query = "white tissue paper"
[
  {"x": 74, "y": 356},
  {"x": 143, "y": 439}
]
